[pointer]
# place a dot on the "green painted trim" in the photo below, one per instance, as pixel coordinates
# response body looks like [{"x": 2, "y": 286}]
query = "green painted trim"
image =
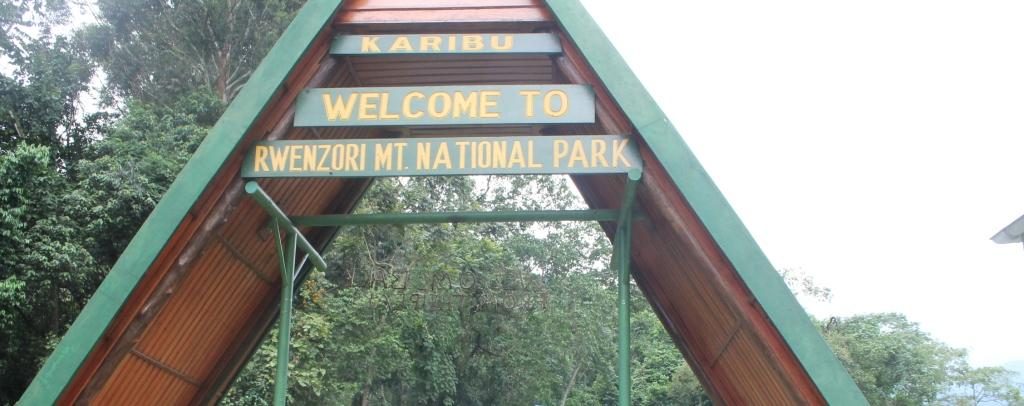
[
  {"x": 707, "y": 201},
  {"x": 193, "y": 179}
]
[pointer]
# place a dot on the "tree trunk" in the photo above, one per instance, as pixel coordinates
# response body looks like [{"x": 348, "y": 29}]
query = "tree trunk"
[{"x": 569, "y": 386}]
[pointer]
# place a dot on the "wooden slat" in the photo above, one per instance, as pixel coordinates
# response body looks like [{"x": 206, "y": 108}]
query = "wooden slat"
[
  {"x": 435, "y": 4},
  {"x": 447, "y": 16}
]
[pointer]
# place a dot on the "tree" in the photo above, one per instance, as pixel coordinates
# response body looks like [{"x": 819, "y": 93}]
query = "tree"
[
  {"x": 469, "y": 314},
  {"x": 983, "y": 386},
  {"x": 155, "y": 51},
  {"x": 40, "y": 102},
  {"x": 891, "y": 359},
  {"x": 45, "y": 271},
  {"x": 125, "y": 174}
]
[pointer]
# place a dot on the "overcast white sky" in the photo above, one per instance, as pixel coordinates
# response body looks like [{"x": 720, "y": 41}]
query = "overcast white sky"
[{"x": 875, "y": 145}]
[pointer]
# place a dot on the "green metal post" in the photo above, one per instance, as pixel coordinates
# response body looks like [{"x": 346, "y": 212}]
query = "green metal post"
[
  {"x": 623, "y": 235},
  {"x": 286, "y": 259}
]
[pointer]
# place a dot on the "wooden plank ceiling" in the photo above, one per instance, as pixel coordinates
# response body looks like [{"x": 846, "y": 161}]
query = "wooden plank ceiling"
[{"x": 207, "y": 300}]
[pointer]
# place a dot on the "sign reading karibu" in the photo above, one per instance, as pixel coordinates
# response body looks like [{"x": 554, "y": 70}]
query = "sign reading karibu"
[
  {"x": 445, "y": 105},
  {"x": 576, "y": 154},
  {"x": 542, "y": 43}
]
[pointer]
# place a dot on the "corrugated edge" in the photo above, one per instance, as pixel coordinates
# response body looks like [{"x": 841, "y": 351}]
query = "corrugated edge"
[
  {"x": 100, "y": 311},
  {"x": 1012, "y": 233},
  {"x": 753, "y": 267}
]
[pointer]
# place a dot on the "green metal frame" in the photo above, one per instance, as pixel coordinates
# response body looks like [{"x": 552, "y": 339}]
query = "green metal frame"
[{"x": 288, "y": 240}]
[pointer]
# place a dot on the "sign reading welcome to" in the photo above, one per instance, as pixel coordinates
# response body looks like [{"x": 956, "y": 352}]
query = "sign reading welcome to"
[
  {"x": 445, "y": 44},
  {"x": 443, "y": 156},
  {"x": 445, "y": 105}
]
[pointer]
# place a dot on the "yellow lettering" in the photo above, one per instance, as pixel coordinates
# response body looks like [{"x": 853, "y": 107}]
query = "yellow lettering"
[
  {"x": 321, "y": 164},
  {"x": 278, "y": 158},
  {"x": 400, "y": 151},
  {"x": 488, "y": 101},
  {"x": 341, "y": 109},
  {"x": 507, "y": 45},
  {"x": 384, "y": 107},
  {"x": 407, "y": 105},
  {"x": 430, "y": 43},
  {"x": 462, "y": 153},
  {"x": 362, "y": 157},
  {"x": 423, "y": 155},
  {"x": 483, "y": 154},
  {"x": 442, "y": 157},
  {"x": 294, "y": 157},
  {"x": 337, "y": 157},
  {"x": 452, "y": 41},
  {"x": 563, "y": 103},
  {"x": 517, "y": 155},
  {"x": 597, "y": 150},
  {"x": 382, "y": 156},
  {"x": 465, "y": 104},
  {"x": 446, "y": 105},
  {"x": 472, "y": 42},
  {"x": 578, "y": 155},
  {"x": 259, "y": 159},
  {"x": 500, "y": 155},
  {"x": 366, "y": 105},
  {"x": 309, "y": 157},
  {"x": 561, "y": 150},
  {"x": 401, "y": 44},
  {"x": 619, "y": 147},
  {"x": 370, "y": 44},
  {"x": 351, "y": 155},
  {"x": 529, "y": 96},
  {"x": 529, "y": 156}
]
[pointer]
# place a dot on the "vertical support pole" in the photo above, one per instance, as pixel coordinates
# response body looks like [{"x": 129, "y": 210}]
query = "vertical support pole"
[
  {"x": 286, "y": 259},
  {"x": 621, "y": 254}
]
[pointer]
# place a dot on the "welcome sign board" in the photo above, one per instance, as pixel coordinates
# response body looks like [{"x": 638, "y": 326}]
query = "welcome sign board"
[
  {"x": 445, "y": 105},
  {"x": 575, "y": 154}
]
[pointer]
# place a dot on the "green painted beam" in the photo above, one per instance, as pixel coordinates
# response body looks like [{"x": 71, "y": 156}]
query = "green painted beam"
[
  {"x": 623, "y": 238},
  {"x": 281, "y": 219},
  {"x": 286, "y": 262},
  {"x": 334, "y": 220},
  {"x": 707, "y": 201},
  {"x": 92, "y": 322}
]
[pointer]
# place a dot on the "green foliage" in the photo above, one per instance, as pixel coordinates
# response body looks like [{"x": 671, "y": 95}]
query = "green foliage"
[
  {"x": 39, "y": 103},
  {"x": 129, "y": 170},
  {"x": 469, "y": 314},
  {"x": 155, "y": 51},
  {"x": 983, "y": 386},
  {"x": 895, "y": 363},
  {"x": 45, "y": 271},
  {"x": 17, "y": 17}
]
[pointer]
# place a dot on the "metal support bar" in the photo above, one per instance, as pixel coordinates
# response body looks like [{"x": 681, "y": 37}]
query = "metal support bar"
[
  {"x": 286, "y": 260},
  {"x": 334, "y": 220},
  {"x": 254, "y": 190},
  {"x": 622, "y": 249}
]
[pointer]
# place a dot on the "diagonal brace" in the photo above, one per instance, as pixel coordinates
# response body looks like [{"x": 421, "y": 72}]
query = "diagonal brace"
[{"x": 282, "y": 220}]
